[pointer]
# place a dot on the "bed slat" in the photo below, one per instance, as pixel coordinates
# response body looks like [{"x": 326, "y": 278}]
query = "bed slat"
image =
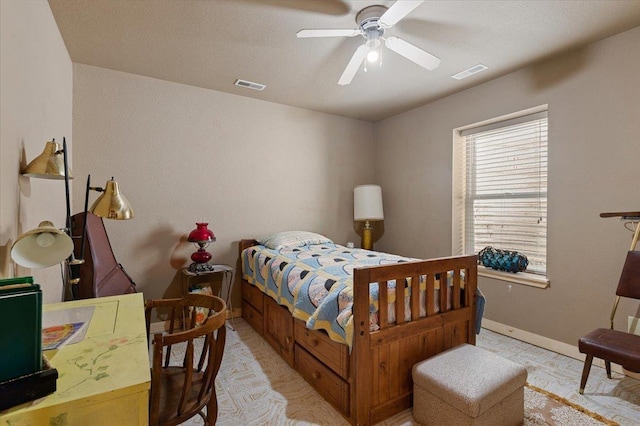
[
  {"x": 415, "y": 297},
  {"x": 443, "y": 292},
  {"x": 455, "y": 303},
  {"x": 399, "y": 305},
  {"x": 430, "y": 308},
  {"x": 383, "y": 303}
]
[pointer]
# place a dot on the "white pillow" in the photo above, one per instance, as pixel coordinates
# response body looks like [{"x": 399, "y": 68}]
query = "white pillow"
[{"x": 292, "y": 239}]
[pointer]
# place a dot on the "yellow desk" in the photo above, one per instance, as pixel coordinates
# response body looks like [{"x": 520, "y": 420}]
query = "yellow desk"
[{"x": 102, "y": 380}]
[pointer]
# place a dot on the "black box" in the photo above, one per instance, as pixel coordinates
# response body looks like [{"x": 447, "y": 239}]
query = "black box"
[{"x": 28, "y": 387}]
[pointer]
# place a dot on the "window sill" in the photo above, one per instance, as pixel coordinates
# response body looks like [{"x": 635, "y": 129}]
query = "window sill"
[{"x": 523, "y": 278}]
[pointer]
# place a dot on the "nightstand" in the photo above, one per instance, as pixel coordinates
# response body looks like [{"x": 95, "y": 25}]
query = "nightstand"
[{"x": 227, "y": 283}]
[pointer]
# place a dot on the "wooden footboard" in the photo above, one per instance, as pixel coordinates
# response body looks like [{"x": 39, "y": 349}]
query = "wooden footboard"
[
  {"x": 383, "y": 359},
  {"x": 373, "y": 382}
]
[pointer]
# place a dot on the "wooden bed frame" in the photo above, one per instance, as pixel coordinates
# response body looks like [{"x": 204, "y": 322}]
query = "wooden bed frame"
[{"x": 374, "y": 381}]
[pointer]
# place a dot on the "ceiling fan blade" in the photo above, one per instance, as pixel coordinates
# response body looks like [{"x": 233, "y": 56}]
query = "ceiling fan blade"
[
  {"x": 397, "y": 11},
  {"x": 353, "y": 65},
  {"x": 328, "y": 33},
  {"x": 413, "y": 53}
]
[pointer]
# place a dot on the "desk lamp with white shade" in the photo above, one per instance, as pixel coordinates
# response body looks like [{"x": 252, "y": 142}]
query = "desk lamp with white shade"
[{"x": 42, "y": 247}]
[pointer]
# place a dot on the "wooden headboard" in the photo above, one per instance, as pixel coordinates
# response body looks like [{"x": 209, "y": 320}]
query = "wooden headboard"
[{"x": 244, "y": 244}]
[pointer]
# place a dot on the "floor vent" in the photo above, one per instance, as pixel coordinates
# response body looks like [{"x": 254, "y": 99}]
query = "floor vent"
[
  {"x": 466, "y": 73},
  {"x": 249, "y": 84}
]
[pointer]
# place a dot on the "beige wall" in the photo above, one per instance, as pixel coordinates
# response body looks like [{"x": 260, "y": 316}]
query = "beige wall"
[
  {"x": 594, "y": 155},
  {"x": 35, "y": 106},
  {"x": 182, "y": 153}
]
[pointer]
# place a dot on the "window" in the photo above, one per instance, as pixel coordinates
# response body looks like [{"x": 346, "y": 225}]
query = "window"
[{"x": 500, "y": 185}]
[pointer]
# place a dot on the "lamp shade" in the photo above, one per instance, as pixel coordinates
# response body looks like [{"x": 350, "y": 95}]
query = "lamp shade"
[
  {"x": 367, "y": 203},
  {"x": 48, "y": 165},
  {"x": 42, "y": 247},
  {"x": 201, "y": 234},
  {"x": 201, "y": 237},
  {"x": 112, "y": 204}
]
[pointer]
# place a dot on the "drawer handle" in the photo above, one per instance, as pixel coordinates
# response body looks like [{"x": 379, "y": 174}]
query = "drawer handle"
[
  {"x": 315, "y": 375},
  {"x": 314, "y": 342}
]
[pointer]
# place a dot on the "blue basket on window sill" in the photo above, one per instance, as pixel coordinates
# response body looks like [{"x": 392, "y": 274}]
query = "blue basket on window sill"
[{"x": 503, "y": 260}]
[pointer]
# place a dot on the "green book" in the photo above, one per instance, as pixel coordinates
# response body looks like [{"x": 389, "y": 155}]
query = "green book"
[{"x": 20, "y": 328}]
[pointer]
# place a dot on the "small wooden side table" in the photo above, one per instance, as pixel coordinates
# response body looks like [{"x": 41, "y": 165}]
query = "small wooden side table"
[{"x": 228, "y": 275}]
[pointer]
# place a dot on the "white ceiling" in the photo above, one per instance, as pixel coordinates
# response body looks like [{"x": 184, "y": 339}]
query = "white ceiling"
[{"x": 211, "y": 43}]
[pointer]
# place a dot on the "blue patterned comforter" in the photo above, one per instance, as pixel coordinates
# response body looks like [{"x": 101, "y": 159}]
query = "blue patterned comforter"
[{"x": 315, "y": 282}]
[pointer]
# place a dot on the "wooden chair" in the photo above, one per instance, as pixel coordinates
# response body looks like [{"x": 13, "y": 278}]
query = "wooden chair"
[
  {"x": 609, "y": 344},
  {"x": 181, "y": 390}
]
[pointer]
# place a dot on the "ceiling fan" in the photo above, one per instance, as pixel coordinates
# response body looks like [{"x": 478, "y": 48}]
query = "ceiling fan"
[{"x": 372, "y": 22}]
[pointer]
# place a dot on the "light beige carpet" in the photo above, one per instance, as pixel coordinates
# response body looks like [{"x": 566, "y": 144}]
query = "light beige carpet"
[{"x": 256, "y": 387}]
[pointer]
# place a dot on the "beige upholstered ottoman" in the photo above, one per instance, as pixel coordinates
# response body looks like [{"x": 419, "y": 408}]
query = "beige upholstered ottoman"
[{"x": 468, "y": 385}]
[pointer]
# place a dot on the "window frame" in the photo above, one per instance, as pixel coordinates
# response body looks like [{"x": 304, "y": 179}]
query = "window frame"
[{"x": 459, "y": 199}]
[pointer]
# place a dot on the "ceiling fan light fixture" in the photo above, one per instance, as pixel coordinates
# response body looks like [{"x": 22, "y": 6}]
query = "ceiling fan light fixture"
[
  {"x": 372, "y": 22},
  {"x": 373, "y": 50}
]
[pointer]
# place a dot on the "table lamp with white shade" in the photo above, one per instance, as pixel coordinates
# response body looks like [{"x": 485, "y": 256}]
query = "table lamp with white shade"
[{"x": 367, "y": 207}]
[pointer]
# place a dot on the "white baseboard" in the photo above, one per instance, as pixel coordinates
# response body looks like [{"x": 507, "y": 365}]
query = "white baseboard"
[{"x": 549, "y": 344}]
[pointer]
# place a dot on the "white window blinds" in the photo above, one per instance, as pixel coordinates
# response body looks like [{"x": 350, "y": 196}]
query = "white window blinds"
[{"x": 504, "y": 199}]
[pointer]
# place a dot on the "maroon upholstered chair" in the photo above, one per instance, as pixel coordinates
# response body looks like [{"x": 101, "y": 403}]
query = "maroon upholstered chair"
[{"x": 611, "y": 345}]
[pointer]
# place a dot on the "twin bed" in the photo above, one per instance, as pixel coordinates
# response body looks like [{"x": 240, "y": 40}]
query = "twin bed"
[{"x": 353, "y": 322}]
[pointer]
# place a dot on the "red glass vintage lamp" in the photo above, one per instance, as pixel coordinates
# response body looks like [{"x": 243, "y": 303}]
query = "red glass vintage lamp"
[{"x": 201, "y": 237}]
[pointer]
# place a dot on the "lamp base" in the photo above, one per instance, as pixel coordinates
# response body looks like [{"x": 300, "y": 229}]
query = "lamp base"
[
  {"x": 197, "y": 268},
  {"x": 367, "y": 237}
]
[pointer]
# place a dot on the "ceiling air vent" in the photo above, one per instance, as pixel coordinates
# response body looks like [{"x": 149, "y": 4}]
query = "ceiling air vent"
[
  {"x": 468, "y": 72},
  {"x": 249, "y": 84}
]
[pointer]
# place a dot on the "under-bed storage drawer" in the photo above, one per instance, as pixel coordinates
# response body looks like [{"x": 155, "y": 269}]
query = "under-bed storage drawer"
[
  {"x": 332, "y": 354},
  {"x": 253, "y": 295},
  {"x": 326, "y": 382},
  {"x": 253, "y": 317},
  {"x": 278, "y": 329},
  {"x": 252, "y": 309}
]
